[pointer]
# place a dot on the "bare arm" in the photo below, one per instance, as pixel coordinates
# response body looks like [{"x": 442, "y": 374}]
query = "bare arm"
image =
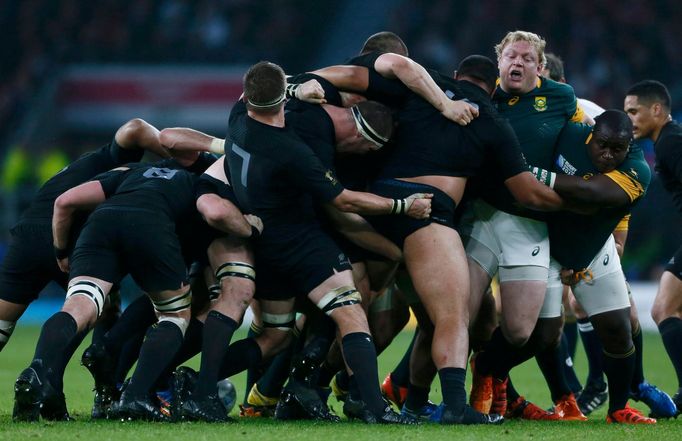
[
  {"x": 418, "y": 80},
  {"x": 83, "y": 197},
  {"x": 222, "y": 214},
  {"x": 361, "y": 233},
  {"x": 532, "y": 194},
  {"x": 137, "y": 133},
  {"x": 417, "y": 205},
  {"x": 598, "y": 190},
  {"x": 182, "y": 138}
]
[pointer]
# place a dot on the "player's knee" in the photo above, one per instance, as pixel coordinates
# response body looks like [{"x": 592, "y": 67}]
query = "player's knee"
[
  {"x": 88, "y": 290},
  {"x": 659, "y": 312},
  {"x": 6, "y": 330},
  {"x": 517, "y": 336}
]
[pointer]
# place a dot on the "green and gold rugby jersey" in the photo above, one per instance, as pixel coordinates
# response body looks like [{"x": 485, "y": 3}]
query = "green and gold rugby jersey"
[
  {"x": 575, "y": 239},
  {"x": 537, "y": 118}
]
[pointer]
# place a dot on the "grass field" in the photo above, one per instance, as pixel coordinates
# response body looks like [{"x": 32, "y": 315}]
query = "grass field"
[{"x": 527, "y": 378}]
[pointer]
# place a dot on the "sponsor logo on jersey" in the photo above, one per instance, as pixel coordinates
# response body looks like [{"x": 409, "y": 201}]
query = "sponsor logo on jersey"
[
  {"x": 565, "y": 166},
  {"x": 540, "y": 103},
  {"x": 513, "y": 101},
  {"x": 606, "y": 260},
  {"x": 536, "y": 251}
]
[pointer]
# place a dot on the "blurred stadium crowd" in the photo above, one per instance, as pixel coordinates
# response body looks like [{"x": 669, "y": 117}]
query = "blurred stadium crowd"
[{"x": 606, "y": 46}]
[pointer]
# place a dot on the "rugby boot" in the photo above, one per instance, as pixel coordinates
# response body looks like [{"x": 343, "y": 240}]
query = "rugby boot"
[
  {"x": 34, "y": 396},
  {"x": 209, "y": 409},
  {"x": 103, "y": 401},
  {"x": 628, "y": 415},
  {"x": 357, "y": 409},
  {"x": 592, "y": 397},
  {"x": 259, "y": 405},
  {"x": 102, "y": 368},
  {"x": 660, "y": 403},
  {"x": 525, "y": 410},
  {"x": 182, "y": 383},
  {"x": 469, "y": 416},
  {"x": 393, "y": 392},
  {"x": 568, "y": 409},
  {"x": 499, "y": 399},
  {"x": 425, "y": 413},
  {"x": 299, "y": 402},
  {"x": 481, "y": 395},
  {"x": 130, "y": 408}
]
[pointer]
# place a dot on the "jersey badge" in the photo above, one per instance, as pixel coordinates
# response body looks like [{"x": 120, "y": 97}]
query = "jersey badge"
[
  {"x": 513, "y": 101},
  {"x": 634, "y": 173},
  {"x": 330, "y": 176},
  {"x": 540, "y": 103}
]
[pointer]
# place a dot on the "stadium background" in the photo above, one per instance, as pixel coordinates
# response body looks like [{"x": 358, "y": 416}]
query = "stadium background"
[{"x": 73, "y": 71}]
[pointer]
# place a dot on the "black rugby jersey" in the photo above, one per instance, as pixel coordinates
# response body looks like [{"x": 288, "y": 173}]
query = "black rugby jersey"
[
  {"x": 272, "y": 169},
  {"x": 144, "y": 187},
  {"x": 81, "y": 170},
  {"x": 426, "y": 143},
  {"x": 668, "y": 149}
]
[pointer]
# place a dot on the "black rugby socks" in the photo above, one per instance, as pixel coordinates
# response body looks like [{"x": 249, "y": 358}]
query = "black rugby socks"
[
  {"x": 54, "y": 340},
  {"x": 619, "y": 370},
  {"x": 638, "y": 375},
  {"x": 161, "y": 344},
  {"x": 218, "y": 331},
  {"x": 671, "y": 333},
  {"x": 361, "y": 357},
  {"x": 241, "y": 355},
  {"x": 452, "y": 385},
  {"x": 593, "y": 350},
  {"x": 551, "y": 363}
]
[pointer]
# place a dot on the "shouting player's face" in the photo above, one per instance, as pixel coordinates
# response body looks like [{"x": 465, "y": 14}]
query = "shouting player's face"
[{"x": 519, "y": 67}]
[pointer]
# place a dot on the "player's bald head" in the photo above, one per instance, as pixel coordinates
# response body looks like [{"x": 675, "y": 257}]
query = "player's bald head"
[{"x": 385, "y": 41}]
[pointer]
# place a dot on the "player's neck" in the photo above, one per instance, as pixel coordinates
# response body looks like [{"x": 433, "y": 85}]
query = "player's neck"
[
  {"x": 342, "y": 119},
  {"x": 657, "y": 132},
  {"x": 275, "y": 119}
]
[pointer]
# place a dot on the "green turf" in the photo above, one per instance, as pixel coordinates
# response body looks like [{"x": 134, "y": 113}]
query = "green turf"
[{"x": 527, "y": 378}]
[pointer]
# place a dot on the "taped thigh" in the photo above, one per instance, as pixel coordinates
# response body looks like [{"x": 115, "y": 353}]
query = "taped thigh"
[
  {"x": 175, "y": 304},
  {"x": 283, "y": 322},
  {"x": 236, "y": 269},
  {"x": 339, "y": 297},
  {"x": 89, "y": 289}
]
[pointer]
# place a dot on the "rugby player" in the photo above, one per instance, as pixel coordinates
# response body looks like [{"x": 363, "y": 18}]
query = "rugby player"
[
  {"x": 512, "y": 242},
  {"x": 263, "y": 155},
  {"x": 613, "y": 181},
  {"x": 648, "y": 105}
]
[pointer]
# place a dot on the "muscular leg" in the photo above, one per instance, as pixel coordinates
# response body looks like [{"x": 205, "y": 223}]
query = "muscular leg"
[
  {"x": 437, "y": 249},
  {"x": 614, "y": 332},
  {"x": 227, "y": 311},
  {"x": 667, "y": 313}
]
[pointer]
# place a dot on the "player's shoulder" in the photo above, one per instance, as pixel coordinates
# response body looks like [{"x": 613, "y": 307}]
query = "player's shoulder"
[{"x": 554, "y": 88}]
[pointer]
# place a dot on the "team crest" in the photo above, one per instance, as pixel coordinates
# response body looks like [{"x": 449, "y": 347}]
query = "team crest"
[
  {"x": 330, "y": 177},
  {"x": 540, "y": 103}
]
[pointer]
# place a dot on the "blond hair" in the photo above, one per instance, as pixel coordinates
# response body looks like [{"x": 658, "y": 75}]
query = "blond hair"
[{"x": 535, "y": 40}]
